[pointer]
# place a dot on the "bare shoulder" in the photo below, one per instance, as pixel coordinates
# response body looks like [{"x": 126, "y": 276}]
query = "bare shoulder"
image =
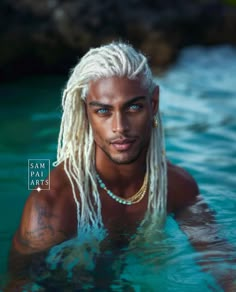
[
  {"x": 182, "y": 188},
  {"x": 44, "y": 221}
]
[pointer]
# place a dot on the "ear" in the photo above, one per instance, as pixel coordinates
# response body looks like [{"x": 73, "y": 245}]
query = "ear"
[{"x": 155, "y": 100}]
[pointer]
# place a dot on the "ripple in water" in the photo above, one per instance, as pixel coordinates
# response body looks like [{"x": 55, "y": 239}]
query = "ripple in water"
[{"x": 198, "y": 102}]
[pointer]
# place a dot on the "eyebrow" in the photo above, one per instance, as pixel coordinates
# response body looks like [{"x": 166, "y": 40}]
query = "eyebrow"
[{"x": 132, "y": 100}]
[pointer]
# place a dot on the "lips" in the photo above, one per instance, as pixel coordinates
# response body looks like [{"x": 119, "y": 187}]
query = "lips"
[{"x": 122, "y": 144}]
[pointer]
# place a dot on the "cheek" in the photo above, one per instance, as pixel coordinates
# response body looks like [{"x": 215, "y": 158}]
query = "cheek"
[
  {"x": 145, "y": 129},
  {"x": 99, "y": 130},
  {"x": 144, "y": 124}
]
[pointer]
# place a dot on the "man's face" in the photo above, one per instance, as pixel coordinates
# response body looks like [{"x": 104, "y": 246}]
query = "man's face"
[{"x": 120, "y": 112}]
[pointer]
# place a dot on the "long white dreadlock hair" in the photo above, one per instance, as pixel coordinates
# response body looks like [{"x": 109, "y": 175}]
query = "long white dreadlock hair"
[{"x": 76, "y": 145}]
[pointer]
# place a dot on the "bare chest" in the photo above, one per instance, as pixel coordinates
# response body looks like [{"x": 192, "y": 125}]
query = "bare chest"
[{"x": 120, "y": 219}]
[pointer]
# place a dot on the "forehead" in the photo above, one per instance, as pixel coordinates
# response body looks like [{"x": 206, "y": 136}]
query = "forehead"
[{"x": 110, "y": 88}]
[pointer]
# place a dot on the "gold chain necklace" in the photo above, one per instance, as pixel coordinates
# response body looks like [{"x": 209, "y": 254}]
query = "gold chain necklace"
[{"x": 137, "y": 197}]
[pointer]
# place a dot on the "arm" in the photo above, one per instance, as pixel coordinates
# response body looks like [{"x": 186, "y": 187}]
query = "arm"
[
  {"x": 38, "y": 231},
  {"x": 216, "y": 255},
  {"x": 197, "y": 221},
  {"x": 39, "y": 228}
]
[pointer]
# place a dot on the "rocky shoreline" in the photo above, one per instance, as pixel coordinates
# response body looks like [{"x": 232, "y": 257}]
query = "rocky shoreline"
[{"x": 48, "y": 36}]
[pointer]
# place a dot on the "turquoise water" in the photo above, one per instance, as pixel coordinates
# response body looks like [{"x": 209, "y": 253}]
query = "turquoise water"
[{"x": 198, "y": 101}]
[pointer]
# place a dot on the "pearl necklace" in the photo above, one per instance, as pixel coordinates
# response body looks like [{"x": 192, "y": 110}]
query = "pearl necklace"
[{"x": 137, "y": 197}]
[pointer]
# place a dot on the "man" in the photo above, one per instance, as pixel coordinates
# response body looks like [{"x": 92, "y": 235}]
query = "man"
[{"x": 111, "y": 172}]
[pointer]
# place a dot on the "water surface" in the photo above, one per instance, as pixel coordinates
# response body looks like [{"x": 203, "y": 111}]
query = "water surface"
[{"x": 198, "y": 102}]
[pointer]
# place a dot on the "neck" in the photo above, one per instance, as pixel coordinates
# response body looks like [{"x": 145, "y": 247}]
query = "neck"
[
  {"x": 108, "y": 168},
  {"x": 123, "y": 179}
]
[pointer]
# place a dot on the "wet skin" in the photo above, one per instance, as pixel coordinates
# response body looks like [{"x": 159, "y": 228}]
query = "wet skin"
[{"x": 120, "y": 112}]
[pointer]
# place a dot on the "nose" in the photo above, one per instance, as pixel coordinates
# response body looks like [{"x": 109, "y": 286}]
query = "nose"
[{"x": 119, "y": 123}]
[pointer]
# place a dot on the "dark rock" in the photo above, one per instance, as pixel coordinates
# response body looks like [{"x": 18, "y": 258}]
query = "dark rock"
[{"x": 49, "y": 36}]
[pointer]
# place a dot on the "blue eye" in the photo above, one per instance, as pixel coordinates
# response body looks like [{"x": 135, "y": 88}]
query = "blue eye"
[
  {"x": 135, "y": 107},
  {"x": 102, "y": 111}
]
